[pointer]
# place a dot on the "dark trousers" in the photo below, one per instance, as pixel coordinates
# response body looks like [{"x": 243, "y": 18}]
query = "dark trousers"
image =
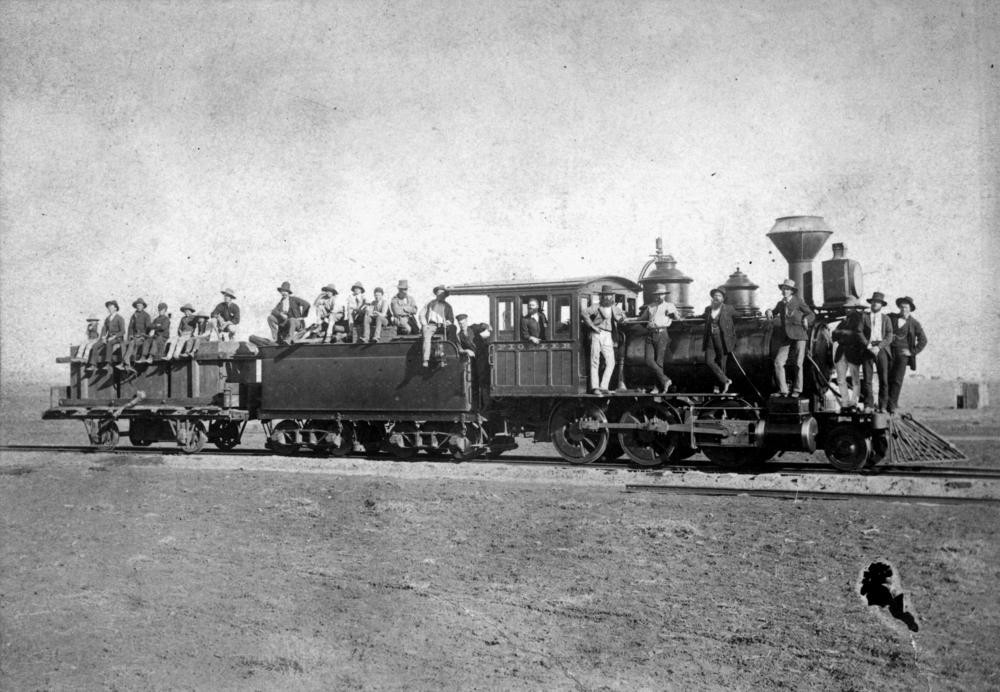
[
  {"x": 103, "y": 353},
  {"x": 658, "y": 353},
  {"x": 897, "y": 373},
  {"x": 716, "y": 358},
  {"x": 871, "y": 365}
]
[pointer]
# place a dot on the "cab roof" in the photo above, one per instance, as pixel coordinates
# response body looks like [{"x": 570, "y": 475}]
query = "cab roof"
[{"x": 581, "y": 284}]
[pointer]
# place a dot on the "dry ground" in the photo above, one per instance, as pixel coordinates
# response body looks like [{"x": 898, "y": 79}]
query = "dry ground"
[{"x": 119, "y": 572}]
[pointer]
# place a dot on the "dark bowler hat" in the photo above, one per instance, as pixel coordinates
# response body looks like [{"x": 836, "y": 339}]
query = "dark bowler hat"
[
  {"x": 285, "y": 287},
  {"x": 109, "y": 303},
  {"x": 139, "y": 301},
  {"x": 717, "y": 289},
  {"x": 788, "y": 283},
  {"x": 906, "y": 299},
  {"x": 161, "y": 306},
  {"x": 330, "y": 288},
  {"x": 441, "y": 288},
  {"x": 187, "y": 308},
  {"x": 229, "y": 292},
  {"x": 878, "y": 297},
  {"x": 607, "y": 290},
  {"x": 403, "y": 284},
  {"x": 462, "y": 316}
]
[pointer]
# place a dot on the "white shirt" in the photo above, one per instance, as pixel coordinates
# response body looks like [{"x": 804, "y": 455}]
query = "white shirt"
[
  {"x": 715, "y": 312},
  {"x": 877, "y": 318},
  {"x": 659, "y": 314}
]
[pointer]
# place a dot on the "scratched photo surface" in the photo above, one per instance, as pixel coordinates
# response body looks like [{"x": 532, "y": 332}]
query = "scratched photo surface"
[{"x": 170, "y": 150}]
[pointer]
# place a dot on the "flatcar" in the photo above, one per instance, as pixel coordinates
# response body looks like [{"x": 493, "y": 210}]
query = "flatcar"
[{"x": 349, "y": 397}]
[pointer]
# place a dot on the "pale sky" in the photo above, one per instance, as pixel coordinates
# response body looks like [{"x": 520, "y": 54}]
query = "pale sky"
[{"x": 167, "y": 150}]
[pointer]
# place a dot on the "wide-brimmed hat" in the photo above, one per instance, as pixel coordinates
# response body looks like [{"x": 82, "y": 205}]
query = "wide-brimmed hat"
[
  {"x": 403, "y": 284},
  {"x": 229, "y": 292},
  {"x": 357, "y": 284},
  {"x": 187, "y": 307},
  {"x": 109, "y": 303},
  {"x": 201, "y": 316},
  {"x": 878, "y": 297},
  {"x": 139, "y": 301},
  {"x": 93, "y": 318},
  {"x": 440, "y": 288},
  {"x": 906, "y": 299},
  {"x": 161, "y": 306},
  {"x": 461, "y": 316},
  {"x": 607, "y": 290},
  {"x": 788, "y": 283},
  {"x": 661, "y": 289},
  {"x": 718, "y": 289},
  {"x": 285, "y": 286},
  {"x": 330, "y": 288}
]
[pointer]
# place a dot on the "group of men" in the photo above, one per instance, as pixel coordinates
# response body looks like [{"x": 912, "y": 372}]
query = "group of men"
[
  {"x": 868, "y": 343},
  {"x": 147, "y": 338},
  {"x": 334, "y": 318}
]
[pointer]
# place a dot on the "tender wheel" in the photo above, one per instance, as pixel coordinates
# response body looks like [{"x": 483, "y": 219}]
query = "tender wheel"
[
  {"x": 847, "y": 447},
  {"x": 468, "y": 445},
  {"x": 648, "y": 447},
  {"x": 106, "y": 437},
  {"x": 399, "y": 442},
  {"x": 880, "y": 448},
  {"x": 191, "y": 436},
  {"x": 224, "y": 434},
  {"x": 574, "y": 444},
  {"x": 282, "y": 438},
  {"x": 337, "y": 438}
]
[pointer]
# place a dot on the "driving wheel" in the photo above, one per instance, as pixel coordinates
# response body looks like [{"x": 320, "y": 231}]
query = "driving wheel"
[
  {"x": 574, "y": 442},
  {"x": 644, "y": 446}
]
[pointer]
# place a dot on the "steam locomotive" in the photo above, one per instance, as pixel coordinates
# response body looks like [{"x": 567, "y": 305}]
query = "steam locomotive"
[{"x": 344, "y": 397}]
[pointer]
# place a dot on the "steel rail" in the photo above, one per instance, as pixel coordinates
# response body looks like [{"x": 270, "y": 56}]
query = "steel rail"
[{"x": 807, "y": 494}]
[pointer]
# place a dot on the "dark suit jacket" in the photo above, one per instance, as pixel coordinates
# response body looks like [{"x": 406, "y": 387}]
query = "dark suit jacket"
[
  {"x": 229, "y": 312},
  {"x": 885, "y": 336},
  {"x": 727, "y": 330},
  {"x": 139, "y": 325},
  {"x": 114, "y": 327},
  {"x": 791, "y": 318},
  {"x": 465, "y": 340},
  {"x": 297, "y": 307},
  {"x": 533, "y": 327},
  {"x": 916, "y": 340}
]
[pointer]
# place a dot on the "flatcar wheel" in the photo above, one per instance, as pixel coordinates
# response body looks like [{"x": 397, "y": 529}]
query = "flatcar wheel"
[
  {"x": 283, "y": 436},
  {"x": 574, "y": 443},
  {"x": 847, "y": 447},
  {"x": 468, "y": 445},
  {"x": 191, "y": 436},
  {"x": 880, "y": 448},
  {"x": 106, "y": 437},
  {"x": 224, "y": 434},
  {"x": 647, "y": 447},
  {"x": 398, "y": 443}
]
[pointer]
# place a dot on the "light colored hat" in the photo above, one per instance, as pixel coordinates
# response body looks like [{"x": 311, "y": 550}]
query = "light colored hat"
[
  {"x": 788, "y": 283},
  {"x": 403, "y": 284},
  {"x": 92, "y": 318},
  {"x": 229, "y": 292},
  {"x": 330, "y": 288},
  {"x": 187, "y": 308},
  {"x": 357, "y": 284}
]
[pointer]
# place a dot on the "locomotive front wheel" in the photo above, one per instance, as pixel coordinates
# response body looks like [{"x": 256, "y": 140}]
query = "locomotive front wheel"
[
  {"x": 575, "y": 444},
  {"x": 225, "y": 434},
  {"x": 648, "y": 448},
  {"x": 282, "y": 439},
  {"x": 106, "y": 437},
  {"x": 191, "y": 436},
  {"x": 847, "y": 447}
]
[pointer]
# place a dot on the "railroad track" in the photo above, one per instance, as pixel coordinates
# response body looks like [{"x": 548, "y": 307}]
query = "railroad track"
[
  {"x": 809, "y": 494},
  {"x": 772, "y": 468}
]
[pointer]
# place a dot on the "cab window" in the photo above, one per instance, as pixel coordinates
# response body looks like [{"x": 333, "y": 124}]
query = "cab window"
[
  {"x": 543, "y": 306},
  {"x": 506, "y": 323},
  {"x": 560, "y": 319}
]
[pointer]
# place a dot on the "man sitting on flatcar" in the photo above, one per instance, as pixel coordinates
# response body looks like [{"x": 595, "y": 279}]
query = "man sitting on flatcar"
[
  {"x": 328, "y": 311},
  {"x": 534, "y": 324},
  {"x": 436, "y": 317},
  {"x": 112, "y": 334},
  {"x": 403, "y": 310},
  {"x": 288, "y": 315}
]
